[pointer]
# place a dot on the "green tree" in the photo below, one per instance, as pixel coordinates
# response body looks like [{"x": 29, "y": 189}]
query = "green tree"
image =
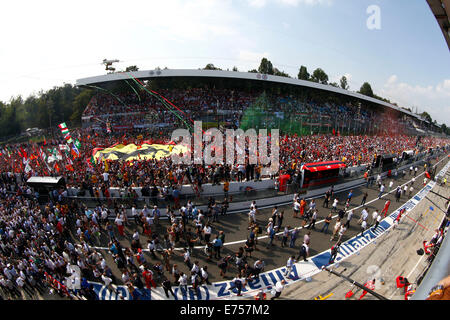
[
  {"x": 303, "y": 73},
  {"x": 210, "y": 66},
  {"x": 319, "y": 76},
  {"x": 131, "y": 69},
  {"x": 253, "y": 71},
  {"x": 79, "y": 104},
  {"x": 366, "y": 89},
  {"x": 265, "y": 66},
  {"x": 425, "y": 115},
  {"x": 344, "y": 83},
  {"x": 277, "y": 72},
  {"x": 235, "y": 69}
]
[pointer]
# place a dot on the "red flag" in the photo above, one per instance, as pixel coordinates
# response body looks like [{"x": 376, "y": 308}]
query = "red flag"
[
  {"x": 24, "y": 153},
  {"x": 73, "y": 153},
  {"x": 69, "y": 167}
]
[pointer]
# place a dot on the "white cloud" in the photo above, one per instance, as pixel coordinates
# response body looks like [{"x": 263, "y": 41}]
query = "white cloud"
[
  {"x": 434, "y": 99},
  {"x": 43, "y": 43},
  {"x": 337, "y": 79},
  {"x": 294, "y": 3},
  {"x": 257, "y": 3},
  {"x": 249, "y": 60},
  {"x": 307, "y": 2}
]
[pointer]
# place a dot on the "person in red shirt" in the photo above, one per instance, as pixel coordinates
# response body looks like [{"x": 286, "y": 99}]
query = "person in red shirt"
[
  {"x": 302, "y": 207},
  {"x": 148, "y": 279},
  {"x": 386, "y": 207},
  {"x": 369, "y": 284}
]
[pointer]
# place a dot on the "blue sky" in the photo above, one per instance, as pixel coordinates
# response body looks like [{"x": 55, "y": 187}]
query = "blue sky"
[{"x": 47, "y": 43}]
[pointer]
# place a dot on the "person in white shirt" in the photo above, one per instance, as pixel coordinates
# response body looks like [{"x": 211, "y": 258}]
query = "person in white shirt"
[
  {"x": 119, "y": 223},
  {"x": 145, "y": 211},
  {"x": 22, "y": 284},
  {"x": 364, "y": 215},
  {"x": 341, "y": 233},
  {"x": 195, "y": 268},
  {"x": 296, "y": 208},
  {"x": 108, "y": 283},
  {"x": 334, "y": 206},
  {"x": 135, "y": 215},
  {"x": 251, "y": 217},
  {"x": 349, "y": 218},
  {"x": 151, "y": 247},
  {"x": 204, "y": 274},
  {"x": 313, "y": 220},
  {"x": 312, "y": 206},
  {"x": 125, "y": 276},
  {"x": 207, "y": 233},
  {"x": 182, "y": 281},
  {"x": 237, "y": 283},
  {"x": 363, "y": 226},
  {"x": 374, "y": 217},
  {"x": 187, "y": 258},
  {"x": 105, "y": 177},
  {"x": 289, "y": 265},
  {"x": 104, "y": 215},
  {"x": 381, "y": 191},
  {"x": 279, "y": 286},
  {"x": 377, "y": 222}
]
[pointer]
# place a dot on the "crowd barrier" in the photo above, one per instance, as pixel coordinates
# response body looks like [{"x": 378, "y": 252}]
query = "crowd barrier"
[{"x": 263, "y": 192}]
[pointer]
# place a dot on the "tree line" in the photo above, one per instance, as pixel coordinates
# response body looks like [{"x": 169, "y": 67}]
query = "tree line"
[
  {"x": 44, "y": 110},
  {"x": 320, "y": 76},
  {"x": 66, "y": 103}
]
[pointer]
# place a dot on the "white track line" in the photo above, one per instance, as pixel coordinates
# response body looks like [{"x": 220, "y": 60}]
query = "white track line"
[{"x": 279, "y": 233}]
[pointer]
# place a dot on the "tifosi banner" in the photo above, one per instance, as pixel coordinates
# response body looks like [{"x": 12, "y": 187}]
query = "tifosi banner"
[{"x": 131, "y": 152}]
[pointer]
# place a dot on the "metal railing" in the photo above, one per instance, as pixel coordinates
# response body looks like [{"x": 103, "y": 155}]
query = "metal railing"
[{"x": 247, "y": 194}]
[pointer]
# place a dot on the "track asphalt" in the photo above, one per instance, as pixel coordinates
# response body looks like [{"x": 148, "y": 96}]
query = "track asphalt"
[{"x": 235, "y": 225}]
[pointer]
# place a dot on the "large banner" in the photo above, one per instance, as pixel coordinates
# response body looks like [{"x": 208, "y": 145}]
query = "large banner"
[{"x": 131, "y": 152}]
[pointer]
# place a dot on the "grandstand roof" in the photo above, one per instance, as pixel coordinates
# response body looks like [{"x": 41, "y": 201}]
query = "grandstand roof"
[
  {"x": 151, "y": 74},
  {"x": 441, "y": 10}
]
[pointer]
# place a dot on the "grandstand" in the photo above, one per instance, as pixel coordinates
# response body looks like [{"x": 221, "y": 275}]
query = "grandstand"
[{"x": 233, "y": 99}]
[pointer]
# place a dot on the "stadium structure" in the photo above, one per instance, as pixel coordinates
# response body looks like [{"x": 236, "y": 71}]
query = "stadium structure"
[{"x": 243, "y": 99}]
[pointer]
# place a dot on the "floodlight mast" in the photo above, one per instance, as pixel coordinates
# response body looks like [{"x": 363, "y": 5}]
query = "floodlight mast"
[{"x": 108, "y": 64}]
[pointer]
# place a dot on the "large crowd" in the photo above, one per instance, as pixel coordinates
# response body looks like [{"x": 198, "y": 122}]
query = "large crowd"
[
  {"x": 229, "y": 106},
  {"x": 294, "y": 151},
  {"x": 38, "y": 243}
]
